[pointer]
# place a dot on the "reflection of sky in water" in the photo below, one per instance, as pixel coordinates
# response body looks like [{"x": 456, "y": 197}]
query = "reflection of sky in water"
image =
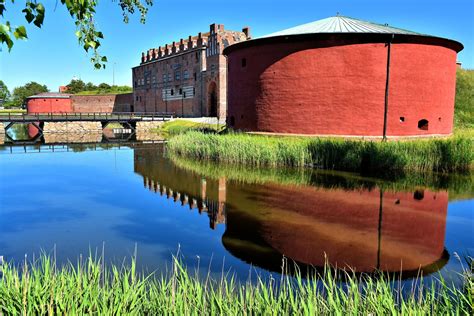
[{"x": 77, "y": 201}]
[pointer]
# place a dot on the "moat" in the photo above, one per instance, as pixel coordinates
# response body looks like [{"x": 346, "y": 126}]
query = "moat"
[{"x": 76, "y": 199}]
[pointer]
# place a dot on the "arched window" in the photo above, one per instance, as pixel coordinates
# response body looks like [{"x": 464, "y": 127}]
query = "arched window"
[{"x": 423, "y": 124}]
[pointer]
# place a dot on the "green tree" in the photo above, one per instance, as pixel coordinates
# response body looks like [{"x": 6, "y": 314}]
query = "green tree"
[
  {"x": 21, "y": 93},
  {"x": 103, "y": 86},
  {"x": 4, "y": 93},
  {"x": 82, "y": 12},
  {"x": 75, "y": 86},
  {"x": 90, "y": 86}
]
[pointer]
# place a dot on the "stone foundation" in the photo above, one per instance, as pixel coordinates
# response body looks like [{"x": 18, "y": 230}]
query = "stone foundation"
[
  {"x": 146, "y": 126},
  {"x": 72, "y": 127}
]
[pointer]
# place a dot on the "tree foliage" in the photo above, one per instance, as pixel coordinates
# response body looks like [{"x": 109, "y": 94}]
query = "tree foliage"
[
  {"x": 77, "y": 86},
  {"x": 4, "y": 92},
  {"x": 21, "y": 93},
  {"x": 82, "y": 12}
]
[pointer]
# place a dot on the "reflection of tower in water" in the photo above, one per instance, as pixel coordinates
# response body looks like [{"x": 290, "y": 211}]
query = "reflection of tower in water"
[
  {"x": 215, "y": 210},
  {"x": 362, "y": 227}
]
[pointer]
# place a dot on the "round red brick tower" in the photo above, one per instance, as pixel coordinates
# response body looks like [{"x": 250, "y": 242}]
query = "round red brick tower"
[
  {"x": 49, "y": 103},
  {"x": 342, "y": 76}
]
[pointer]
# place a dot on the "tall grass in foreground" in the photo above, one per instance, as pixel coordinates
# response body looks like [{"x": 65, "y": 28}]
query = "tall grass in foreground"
[
  {"x": 441, "y": 155},
  {"x": 90, "y": 287}
]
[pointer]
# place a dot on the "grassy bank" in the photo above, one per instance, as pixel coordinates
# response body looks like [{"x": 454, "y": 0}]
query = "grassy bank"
[
  {"x": 90, "y": 288},
  {"x": 440, "y": 155},
  {"x": 177, "y": 127},
  {"x": 459, "y": 186},
  {"x": 464, "y": 105},
  {"x": 12, "y": 111}
]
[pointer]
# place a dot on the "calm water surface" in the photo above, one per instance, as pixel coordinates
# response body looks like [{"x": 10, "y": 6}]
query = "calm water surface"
[{"x": 78, "y": 199}]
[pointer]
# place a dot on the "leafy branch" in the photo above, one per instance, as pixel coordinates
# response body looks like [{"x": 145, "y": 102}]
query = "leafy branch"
[{"x": 82, "y": 13}]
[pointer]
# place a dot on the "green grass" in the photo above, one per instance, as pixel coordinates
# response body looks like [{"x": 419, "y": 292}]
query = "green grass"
[
  {"x": 176, "y": 127},
  {"x": 90, "y": 287},
  {"x": 464, "y": 105},
  {"x": 460, "y": 186},
  {"x": 12, "y": 111},
  {"x": 373, "y": 157}
]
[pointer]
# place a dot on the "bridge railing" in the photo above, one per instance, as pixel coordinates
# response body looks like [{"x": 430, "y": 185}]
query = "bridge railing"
[{"x": 88, "y": 116}]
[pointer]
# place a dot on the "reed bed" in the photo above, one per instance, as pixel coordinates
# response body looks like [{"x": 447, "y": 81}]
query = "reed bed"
[
  {"x": 90, "y": 287},
  {"x": 459, "y": 185},
  {"x": 440, "y": 155}
]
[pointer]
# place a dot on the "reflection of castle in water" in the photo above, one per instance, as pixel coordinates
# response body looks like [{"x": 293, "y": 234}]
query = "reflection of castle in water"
[
  {"x": 365, "y": 229},
  {"x": 160, "y": 176}
]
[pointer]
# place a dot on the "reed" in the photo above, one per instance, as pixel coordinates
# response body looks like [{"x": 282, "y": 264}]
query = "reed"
[
  {"x": 374, "y": 157},
  {"x": 90, "y": 287},
  {"x": 459, "y": 186}
]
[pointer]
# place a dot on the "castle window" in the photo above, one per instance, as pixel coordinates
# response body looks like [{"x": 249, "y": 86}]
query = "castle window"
[
  {"x": 185, "y": 75},
  {"x": 419, "y": 195},
  {"x": 177, "y": 75},
  {"x": 180, "y": 91},
  {"x": 164, "y": 77},
  {"x": 169, "y": 77},
  {"x": 172, "y": 91},
  {"x": 195, "y": 76},
  {"x": 423, "y": 124},
  {"x": 244, "y": 62},
  {"x": 402, "y": 119}
]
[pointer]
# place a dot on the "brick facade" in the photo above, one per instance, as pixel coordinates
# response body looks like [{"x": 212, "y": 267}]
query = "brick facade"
[
  {"x": 66, "y": 103},
  {"x": 188, "y": 77},
  {"x": 335, "y": 84}
]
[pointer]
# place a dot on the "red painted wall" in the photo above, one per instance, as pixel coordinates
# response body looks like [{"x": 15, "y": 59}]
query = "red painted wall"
[
  {"x": 48, "y": 105},
  {"x": 82, "y": 104},
  {"x": 337, "y": 88}
]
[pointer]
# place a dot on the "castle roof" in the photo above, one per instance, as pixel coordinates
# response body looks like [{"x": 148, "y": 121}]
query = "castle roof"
[
  {"x": 341, "y": 24},
  {"x": 50, "y": 95}
]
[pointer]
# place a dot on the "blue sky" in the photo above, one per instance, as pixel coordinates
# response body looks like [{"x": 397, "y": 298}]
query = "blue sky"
[{"x": 52, "y": 55}]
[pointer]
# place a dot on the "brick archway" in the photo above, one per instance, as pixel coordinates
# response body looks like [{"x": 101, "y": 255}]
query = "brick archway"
[{"x": 212, "y": 99}]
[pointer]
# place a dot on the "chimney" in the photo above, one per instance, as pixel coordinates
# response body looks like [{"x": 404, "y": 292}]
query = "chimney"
[
  {"x": 246, "y": 31},
  {"x": 213, "y": 28},
  {"x": 190, "y": 42},
  {"x": 173, "y": 48},
  {"x": 199, "y": 40},
  {"x": 160, "y": 52},
  {"x": 167, "y": 50},
  {"x": 143, "y": 57},
  {"x": 221, "y": 27},
  {"x": 181, "y": 45}
]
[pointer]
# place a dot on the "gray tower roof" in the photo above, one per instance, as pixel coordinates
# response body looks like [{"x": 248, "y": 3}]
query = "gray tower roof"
[{"x": 341, "y": 24}]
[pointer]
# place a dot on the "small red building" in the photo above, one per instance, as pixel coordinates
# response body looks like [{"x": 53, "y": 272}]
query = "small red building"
[
  {"x": 62, "y": 103},
  {"x": 343, "y": 76},
  {"x": 49, "y": 103}
]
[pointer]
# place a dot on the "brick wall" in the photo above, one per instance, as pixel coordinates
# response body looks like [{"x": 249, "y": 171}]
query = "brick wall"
[
  {"x": 102, "y": 103},
  {"x": 337, "y": 87},
  {"x": 186, "y": 77}
]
